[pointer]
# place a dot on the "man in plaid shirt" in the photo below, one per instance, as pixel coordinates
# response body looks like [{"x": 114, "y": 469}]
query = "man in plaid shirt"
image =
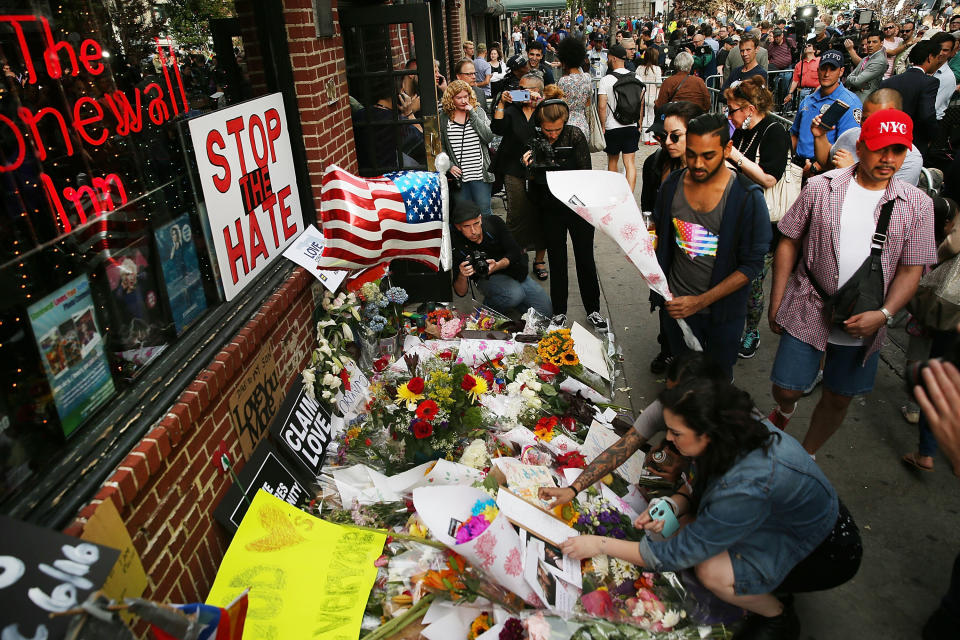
[{"x": 827, "y": 234}]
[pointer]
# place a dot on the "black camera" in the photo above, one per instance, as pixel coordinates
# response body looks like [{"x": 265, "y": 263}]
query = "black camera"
[
  {"x": 913, "y": 375},
  {"x": 542, "y": 153},
  {"x": 478, "y": 260}
]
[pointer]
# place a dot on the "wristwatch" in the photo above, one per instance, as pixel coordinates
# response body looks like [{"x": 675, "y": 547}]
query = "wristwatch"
[{"x": 887, "y": 314}]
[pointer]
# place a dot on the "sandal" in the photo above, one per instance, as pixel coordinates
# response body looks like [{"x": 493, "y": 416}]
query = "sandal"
[
  {"x": 540, "y": 272},
  {"x": 913, "y": 460}
]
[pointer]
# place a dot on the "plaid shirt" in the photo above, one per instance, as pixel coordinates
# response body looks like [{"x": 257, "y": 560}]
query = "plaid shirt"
[{"x": 815, "y": 220}]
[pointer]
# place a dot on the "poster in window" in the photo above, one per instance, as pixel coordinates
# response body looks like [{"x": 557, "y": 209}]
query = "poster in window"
[
  {"x": 71, "y": 349},
  {"x": 181, "y": 271},
  {"x": 136, "y": 317}
]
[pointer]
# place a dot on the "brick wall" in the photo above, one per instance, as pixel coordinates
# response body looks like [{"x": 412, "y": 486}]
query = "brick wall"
[{"x": 167, "y": 488}]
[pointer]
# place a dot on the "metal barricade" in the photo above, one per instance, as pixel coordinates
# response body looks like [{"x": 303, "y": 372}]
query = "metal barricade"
[
  {"x": 779, "y": 82},
  {"x": 717, "y": 105}
]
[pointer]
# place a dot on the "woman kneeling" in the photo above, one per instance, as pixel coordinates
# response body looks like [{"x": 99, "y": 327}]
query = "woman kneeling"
[{"x": 762, "y": 517}]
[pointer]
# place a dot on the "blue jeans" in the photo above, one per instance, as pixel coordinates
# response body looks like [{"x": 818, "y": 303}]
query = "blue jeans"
[
  {"x": 477, "y": 192},
  {"x": 504, "y": 294}
]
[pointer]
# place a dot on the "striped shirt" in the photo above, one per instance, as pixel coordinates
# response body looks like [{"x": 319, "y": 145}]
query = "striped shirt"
[
  {"x": 466, "y": 146},
  {"x": 815, "y": 220}
]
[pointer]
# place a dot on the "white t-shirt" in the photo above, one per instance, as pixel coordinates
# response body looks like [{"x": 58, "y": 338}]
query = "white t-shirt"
[
  {"x": 605, "y": 88},
  {"x": 516, "y": 36},
  {"x": 857, "y": 226}
]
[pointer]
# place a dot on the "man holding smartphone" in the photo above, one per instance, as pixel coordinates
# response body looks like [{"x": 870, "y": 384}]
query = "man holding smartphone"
[{"x": 828, "y": 73}]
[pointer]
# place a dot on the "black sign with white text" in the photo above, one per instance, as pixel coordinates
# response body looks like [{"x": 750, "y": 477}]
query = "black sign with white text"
[{"x": 301, "y": 430}]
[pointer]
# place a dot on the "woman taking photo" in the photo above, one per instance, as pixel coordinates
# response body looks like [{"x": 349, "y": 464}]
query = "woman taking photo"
[
  {"x": 761, "y": 147},
  {"x": 650, "y": 75},
  {"x": 761, "y": 517},
  {"x": 512, "y": 121},
  {"x": 576, "y": 85},
  {"x": 572, "y": 153},
  {"x": 465, "y": 135}
]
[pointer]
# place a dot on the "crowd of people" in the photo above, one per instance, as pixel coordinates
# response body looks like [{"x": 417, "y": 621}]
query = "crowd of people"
[{"x": 838, "y": 203}]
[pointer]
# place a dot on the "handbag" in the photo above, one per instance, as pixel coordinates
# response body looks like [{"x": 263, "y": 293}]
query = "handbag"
[
  {"x": 597, "y": 141},
  {"x": 864, "y": 291},
  {"x": 781, "y": 196},
  {"x": 936, "y": 304}
]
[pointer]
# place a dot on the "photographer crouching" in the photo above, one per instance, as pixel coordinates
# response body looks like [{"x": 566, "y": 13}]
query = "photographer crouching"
[
  {"x": 490, "y": 258},
  {"x": 558, "y": 146}
]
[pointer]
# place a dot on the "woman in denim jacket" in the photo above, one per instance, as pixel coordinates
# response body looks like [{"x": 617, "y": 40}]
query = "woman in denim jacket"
[{"x": 761, "y": 518}]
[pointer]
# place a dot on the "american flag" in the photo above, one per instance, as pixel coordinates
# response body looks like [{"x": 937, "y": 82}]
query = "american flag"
[{"x": 367, "y": 221}]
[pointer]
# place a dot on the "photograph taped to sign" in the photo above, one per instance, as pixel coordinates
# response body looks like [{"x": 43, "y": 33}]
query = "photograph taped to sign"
[
  {"x": 265, "y": 470},
  {"x": 301, "y": 430},
  {"x": 245, "y": 163},
  {"x": 43, "y": 572}
]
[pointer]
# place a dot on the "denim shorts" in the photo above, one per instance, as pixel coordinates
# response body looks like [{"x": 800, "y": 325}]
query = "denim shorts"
[{"x": 844, "y": 373}]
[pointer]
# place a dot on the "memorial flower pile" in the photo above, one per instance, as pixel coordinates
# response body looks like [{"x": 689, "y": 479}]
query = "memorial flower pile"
[
  {"x": 556, "y": 348},
  {"x": 482, "y": 515}
]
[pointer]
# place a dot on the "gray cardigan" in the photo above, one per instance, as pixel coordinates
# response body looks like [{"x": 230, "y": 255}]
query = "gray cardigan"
[{"x": 482, "y": 127}]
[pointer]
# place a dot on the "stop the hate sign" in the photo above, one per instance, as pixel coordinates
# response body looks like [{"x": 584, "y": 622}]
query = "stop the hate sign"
[{"x": 249, "y": 185}]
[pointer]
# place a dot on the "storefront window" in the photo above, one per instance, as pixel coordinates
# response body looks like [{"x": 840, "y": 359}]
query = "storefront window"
[{"x": 103, "y": 255}]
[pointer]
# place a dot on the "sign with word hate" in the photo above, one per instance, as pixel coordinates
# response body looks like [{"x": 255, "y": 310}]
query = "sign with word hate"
[
  {"x": 43, "y": 572},
  {"x": 246, "y": 170}
]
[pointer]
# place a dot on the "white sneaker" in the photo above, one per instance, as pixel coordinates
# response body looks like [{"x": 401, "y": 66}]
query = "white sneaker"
[{"x": 598, "y": 321}]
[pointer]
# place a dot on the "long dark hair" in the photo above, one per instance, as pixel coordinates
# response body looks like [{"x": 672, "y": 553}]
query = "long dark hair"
[{"x": 717, "y": 409}]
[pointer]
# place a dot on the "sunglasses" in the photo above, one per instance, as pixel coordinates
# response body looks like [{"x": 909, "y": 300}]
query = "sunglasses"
[{"x": 673, "y": 137}]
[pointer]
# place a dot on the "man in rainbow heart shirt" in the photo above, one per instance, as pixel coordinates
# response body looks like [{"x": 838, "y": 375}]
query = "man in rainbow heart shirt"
[{"x": 713, "y": 229}]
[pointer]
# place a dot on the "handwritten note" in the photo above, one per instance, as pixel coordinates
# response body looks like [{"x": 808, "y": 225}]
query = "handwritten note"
[
  {"x": 255, "y": 399},
  {"x": 128, "y": 579},
  {"x": 307, "y": 578}
]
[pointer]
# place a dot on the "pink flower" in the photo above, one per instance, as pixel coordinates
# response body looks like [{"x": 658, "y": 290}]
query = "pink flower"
[{"x": 599, "y": 603}]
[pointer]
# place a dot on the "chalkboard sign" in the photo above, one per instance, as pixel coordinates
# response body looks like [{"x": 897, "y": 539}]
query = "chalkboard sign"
[
  {"x": 301, "y": 430},
  {"x": 265, "y": 470},
  {"x": 43, "y": 572}
]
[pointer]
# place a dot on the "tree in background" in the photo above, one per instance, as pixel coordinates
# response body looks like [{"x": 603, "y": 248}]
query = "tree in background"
[{"x": 188, "y": 21}]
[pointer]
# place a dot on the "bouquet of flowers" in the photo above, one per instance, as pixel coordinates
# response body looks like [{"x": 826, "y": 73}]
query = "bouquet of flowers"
[{"x": 556, "y": 348}]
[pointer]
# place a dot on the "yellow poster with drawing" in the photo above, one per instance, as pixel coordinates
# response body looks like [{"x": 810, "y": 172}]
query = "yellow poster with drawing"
[{"x": 308, "y": 578}]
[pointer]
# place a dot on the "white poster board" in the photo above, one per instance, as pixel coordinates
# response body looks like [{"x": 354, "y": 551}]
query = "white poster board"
[{"x": 245, "y": 164}]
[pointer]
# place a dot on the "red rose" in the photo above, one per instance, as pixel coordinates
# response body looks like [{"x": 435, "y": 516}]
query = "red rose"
[
  {"x": 367, "y": 442},
  {"x": 422, "y": 429},
  {"x": 568, "y": 422},
  {"x": 427, "y": 410},
  {"x": 415, "y": 385},
  {"x": 445, "y": 355},
  {"x": 468, "y": 382},
  {"x": 381, "y": 363}
]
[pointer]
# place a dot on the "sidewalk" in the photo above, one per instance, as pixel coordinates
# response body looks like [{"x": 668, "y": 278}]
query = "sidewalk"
[{"x": 908, "y": 522}]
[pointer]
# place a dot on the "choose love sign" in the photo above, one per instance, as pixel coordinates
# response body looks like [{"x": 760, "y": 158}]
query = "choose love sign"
[{"x": 44, "y": 572}]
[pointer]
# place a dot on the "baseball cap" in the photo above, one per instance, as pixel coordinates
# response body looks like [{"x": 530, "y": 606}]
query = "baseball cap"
[
  {"x": 748, "y": 28},
  {"x": 515, "y": 62},
  {"x": 819, "y": 27},
  {"x": 832, "y": 57},
  {"x": 778, "y": 32},
  {"x": 657, "y": 128},
  {"x": 617, "y": 51},
  {"x": 887, "y": 127},
  {"x": 731, "y": 40}
]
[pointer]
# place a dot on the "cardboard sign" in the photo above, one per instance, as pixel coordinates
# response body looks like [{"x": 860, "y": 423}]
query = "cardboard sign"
[
  {"x": 302, "y": 430},
  {"x": 255, "y": 400},
  {"x": 308, "y": 578},
  {"x": 43, "y": 572},
  {"x": 249, "y": 186},
  {"x": 127, "y": 579},
  {"x": 265, "y": 470},
  {"x": 306, "y": 252}
]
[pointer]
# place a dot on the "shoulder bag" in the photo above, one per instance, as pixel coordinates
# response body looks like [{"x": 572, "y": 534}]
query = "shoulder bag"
[
  {"x": 781, "y": 196},
  {"x": 936, "y": 304},
  {"x": 596, "y": 141},
  {"x": 864, "y": 291}
]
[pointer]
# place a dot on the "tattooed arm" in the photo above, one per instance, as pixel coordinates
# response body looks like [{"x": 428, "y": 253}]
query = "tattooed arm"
[{"x": 615, "y": 455}]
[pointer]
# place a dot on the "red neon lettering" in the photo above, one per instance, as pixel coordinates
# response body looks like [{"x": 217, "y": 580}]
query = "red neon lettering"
[
  {"x": 222, "y": 183},
  {"x": 166, "y": 77},
  {"x": 129, "y": 119},
  {"x": 75, "y": 195},
  {"x": 80, "y": 122},
  {"x": 31, "y": 121},
  {"x": 288, "y": 232},
  {"x": 274, "y": 128},
  {"x": 51, "y": 55},
  {"x": 235, "y": 251},
  {"x": 106, "y": 185},
  {"x": 257, "y": 247},
  {"x": 21, "y": 145},
  {"x": 53, "y": 199},
  {"x": 268, "y": 205},
  {"x": 15, "y": 21},
  {"x": 257, "y": 123},
  {"x": 91, "y": 56},
  {"x": 235, "y": 126},
  {"x": 157, "y": 108}
]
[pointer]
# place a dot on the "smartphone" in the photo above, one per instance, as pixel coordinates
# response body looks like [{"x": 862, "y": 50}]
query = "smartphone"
[
  {"x": 519, "y": 95},
  {"x": 832, "y": 116}
]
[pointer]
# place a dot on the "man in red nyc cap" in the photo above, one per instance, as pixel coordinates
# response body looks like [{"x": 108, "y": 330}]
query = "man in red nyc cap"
[{"x": 827, "y": 236}]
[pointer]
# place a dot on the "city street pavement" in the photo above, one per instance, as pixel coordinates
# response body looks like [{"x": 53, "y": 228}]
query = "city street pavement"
[{"x": 908, "y": 520}]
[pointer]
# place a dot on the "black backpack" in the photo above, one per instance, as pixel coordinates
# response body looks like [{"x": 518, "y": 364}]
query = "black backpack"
[{"x": 629, "y": 93}]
